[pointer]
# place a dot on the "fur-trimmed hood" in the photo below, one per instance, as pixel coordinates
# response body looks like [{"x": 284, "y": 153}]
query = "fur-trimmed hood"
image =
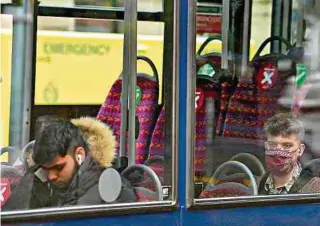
[{"x": 100, "y": 138}]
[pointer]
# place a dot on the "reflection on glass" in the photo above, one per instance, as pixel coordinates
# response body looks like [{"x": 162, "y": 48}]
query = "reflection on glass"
[
  {"x": 256, "y": 132},
  {"x": 73, "y": 156}
]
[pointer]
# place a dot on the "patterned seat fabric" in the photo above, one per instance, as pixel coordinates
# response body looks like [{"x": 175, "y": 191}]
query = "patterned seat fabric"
[
  {"x": 145, "y": 195},
  {"x": 229, "y": 189},
  {"x": 257, "y": 95},
  {"x": 207, "y": 111},
  {"x": 227, "y": 89},
  {"x": 207, "y": 106},
  {"x": 146, "y": 112},
  {"x": 157, "y": 145}
]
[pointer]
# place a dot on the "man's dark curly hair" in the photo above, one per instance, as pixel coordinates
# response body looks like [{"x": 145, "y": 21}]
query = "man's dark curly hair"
[{"x": 59, "y": 138}]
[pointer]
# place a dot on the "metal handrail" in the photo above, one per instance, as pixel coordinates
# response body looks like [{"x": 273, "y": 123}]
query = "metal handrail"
[{"x": 129, "y": 80}]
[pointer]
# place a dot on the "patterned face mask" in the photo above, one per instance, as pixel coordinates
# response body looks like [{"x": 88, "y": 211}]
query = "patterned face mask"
[{"x": 278, "y": 161}]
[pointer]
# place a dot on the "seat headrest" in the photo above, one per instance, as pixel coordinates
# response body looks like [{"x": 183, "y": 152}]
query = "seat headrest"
[{"x": 314, "y": 167}]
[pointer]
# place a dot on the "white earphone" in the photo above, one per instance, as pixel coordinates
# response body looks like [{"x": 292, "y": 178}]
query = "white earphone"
[{"x": 79, "y": 158}]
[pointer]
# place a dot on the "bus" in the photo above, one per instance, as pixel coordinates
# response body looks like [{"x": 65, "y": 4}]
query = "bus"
[
  {"x": 58, "y": 50},
  {"x": 212, "y": 121}
]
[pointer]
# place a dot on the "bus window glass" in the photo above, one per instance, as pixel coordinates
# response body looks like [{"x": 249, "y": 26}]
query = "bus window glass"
[
  {"x": 5, "y": 73},
  {"x": 261, "y": 17},
  {"x": 144, "y": 5},
  {"x": 75, "y": 121},
  {"x": 256, "y": 130}
]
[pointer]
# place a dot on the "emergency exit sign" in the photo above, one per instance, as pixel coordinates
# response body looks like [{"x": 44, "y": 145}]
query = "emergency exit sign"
[{"x": 209, "y": 18}]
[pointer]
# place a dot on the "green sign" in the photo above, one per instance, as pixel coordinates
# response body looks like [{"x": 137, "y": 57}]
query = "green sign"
[
  {"x": 138, "y": 96},
  {"x": 302, "y": 74},
  {"x": 207, "y": 70},
  {"x": 209, "y": 8}
]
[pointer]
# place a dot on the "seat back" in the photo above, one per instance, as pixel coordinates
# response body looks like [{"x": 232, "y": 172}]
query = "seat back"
[
  {"x": 208, "y": 95},
  {"x": 257, "y": 93},
  {"x": 10, "y": 178},
  {"x": 147, "y": 90},
  {"x": 207, "y": 110},
  {"x": 136, "y": 175},
  {"x": 251, "y": 161},
  {"x": 227, "y": 85},
  {"x": 145, "y": 195}
]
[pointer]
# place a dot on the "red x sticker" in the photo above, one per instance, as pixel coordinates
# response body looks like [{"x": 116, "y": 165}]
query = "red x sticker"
[
  {"x": 5, "y": 189},
  {"x": 199, "y": 98},
  {"x": 267, "y": 76}
]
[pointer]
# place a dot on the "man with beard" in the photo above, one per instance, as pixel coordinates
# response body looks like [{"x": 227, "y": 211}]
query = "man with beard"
[
  {"x": 72, "y": 156},
  {"x": 283, "y": 148}
]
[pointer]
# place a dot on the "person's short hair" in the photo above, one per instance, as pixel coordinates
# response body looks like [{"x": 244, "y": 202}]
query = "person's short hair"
[
  {"x": 284, "y": 124},
  {"x": 59, "y": 138}
]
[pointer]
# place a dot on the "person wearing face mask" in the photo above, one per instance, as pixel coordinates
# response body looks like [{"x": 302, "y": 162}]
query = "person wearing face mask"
[{"x": 283, "y": 148}]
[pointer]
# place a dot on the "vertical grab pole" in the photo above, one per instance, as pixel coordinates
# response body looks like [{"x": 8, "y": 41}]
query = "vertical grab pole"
[
  {"x": 30, "y": 67},
  {"x": 22, "y": 20},
  {"x": 300, "y": 33},
  {"x": 285, "y": 22},
  {"x": 225, "y": 33},
  {"x": 246, "y": 37},
  {"x": 129, "y": 80}
]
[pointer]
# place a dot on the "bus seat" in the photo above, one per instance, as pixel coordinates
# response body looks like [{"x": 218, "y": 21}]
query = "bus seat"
[
  {"x": 10, "y": 178},
  {"x": 5, "y": 187},
  {"x": 227, "y": 89},
  {"x": 13, "y": 154},
  {"x": 225, "y": 184},
  {"x": 314, "y": 167},
  {"x": 145, "y": 195},
  {"x": 207, "y": 110},
  {"x": 229, "y": 189},
  {"x": 146, "y": 111},
  {"x": 251, "y": 161},
  {"x": 135, "y": 174},
  {"x": 257, "y": 93},
  {"x": 213, "y": 57},
  {"x": 157, "y": 164},
  {"x": 208, "y": 91},
  {"x": 157, "y": 145},
  {"x": 227, "y": 84}
]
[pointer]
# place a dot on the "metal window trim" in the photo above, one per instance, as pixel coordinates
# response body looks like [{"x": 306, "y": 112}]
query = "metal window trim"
[
  {"x": 86, "y": 211},
  {"x": 252, "y": 201},
  {"x": 191, "y": 85},
  {"x": 110, "y": 13},
  {"x": 121, "y": 208}
]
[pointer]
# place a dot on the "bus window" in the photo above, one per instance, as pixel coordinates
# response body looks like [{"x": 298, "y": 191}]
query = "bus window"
[
  {"x": 255, "y": 132},
  {"x": 261, "y": 16},
  {"x": 77, "y": 125},
  {"x": 5, "y": 73}
]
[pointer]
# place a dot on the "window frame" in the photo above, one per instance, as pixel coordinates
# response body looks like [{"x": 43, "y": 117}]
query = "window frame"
[
  {"x": 209, "y": 203},
  {"x": 120, "y": 208}
]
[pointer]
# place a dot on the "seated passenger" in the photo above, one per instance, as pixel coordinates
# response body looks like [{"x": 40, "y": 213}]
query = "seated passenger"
[
  {"x": 73, "y": 156},
  {"x": 284, "y": 147}
]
